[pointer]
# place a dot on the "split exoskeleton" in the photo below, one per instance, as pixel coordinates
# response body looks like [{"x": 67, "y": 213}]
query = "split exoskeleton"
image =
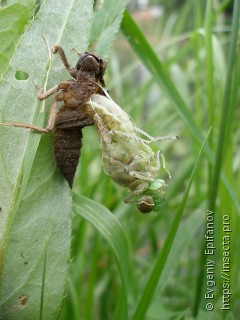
[
  {"x": 69, "y": 119},
  {"x": 127, "y": 156}
]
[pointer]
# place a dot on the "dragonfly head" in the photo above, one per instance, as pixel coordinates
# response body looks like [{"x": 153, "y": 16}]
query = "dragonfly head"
[
  {"x": 146, "y": 204},
  {"x": 90, "y": 62},
  {"x": 153, "y": 197}
]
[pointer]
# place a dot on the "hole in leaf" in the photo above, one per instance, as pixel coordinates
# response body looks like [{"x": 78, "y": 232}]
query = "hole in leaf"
[{"x": 21, "y": 75}]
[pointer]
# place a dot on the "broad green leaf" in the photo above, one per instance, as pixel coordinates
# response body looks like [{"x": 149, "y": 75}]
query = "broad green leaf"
[
  {"x": 13, "y": 19},
  {"x": 40, "y": 227},
  {"x": 109, "y": 227},
  {"x": 35, "y": 200},
  {"x": 105, "y": 24}
]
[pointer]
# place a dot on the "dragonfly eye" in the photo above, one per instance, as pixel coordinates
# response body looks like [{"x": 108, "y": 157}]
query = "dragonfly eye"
[{"x": 146, "y": 205}]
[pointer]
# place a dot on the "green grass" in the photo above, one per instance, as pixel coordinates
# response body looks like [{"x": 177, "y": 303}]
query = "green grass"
[
  {"x": 184, "y": 95},
  {"x": 176, "y": 75}
]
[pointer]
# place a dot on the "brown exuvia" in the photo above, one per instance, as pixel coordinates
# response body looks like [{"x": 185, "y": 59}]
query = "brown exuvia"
[{"x": 68, "y": 120}]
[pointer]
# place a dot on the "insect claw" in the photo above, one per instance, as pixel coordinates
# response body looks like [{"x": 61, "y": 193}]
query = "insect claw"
[
  {"x": 40, "y": 90},
  {"x": 55, "y": 49}
]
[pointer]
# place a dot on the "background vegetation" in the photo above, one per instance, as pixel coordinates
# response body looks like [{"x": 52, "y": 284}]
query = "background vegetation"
[{"x": 174, "y": 67}]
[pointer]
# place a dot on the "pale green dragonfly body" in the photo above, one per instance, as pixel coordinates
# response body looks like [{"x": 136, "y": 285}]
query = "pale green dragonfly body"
[{"x": 127, "y": 157}]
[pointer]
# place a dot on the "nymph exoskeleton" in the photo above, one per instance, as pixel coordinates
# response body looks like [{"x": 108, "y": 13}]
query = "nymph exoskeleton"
[
  {"x": 127, "y": 157},
  {"x": 69, "y": 120}
]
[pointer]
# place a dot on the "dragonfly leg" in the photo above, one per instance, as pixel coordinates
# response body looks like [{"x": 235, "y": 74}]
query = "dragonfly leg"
[
  {"x": 152, "y": 139},
  {"x": 132, "y": 142},
  {"x": 58, "y": 49},
  {"x": 50, "y": 125},
  {"x": 141, "y": 175},
  {"x": 128, "y": 138},
  {"x": 161, "y": 162},
  {"x": 131, "y": 197},
  {"x": 52, "y": 115},
  {"x": 132, "y": 138},
  {"x": 42, "y": 95}
]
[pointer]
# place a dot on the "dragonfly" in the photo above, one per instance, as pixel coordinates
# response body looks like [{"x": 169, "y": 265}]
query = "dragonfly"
[
  {"x": 127, "y": 154},
  {"x": 126, "y": 150}
]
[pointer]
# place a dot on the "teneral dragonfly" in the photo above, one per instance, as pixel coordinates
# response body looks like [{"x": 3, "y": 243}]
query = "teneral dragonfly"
[{"x": 127, "y": 156}]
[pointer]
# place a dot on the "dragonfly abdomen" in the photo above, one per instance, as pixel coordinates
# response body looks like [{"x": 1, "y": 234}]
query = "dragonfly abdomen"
[{"x": 67, "y": 147}]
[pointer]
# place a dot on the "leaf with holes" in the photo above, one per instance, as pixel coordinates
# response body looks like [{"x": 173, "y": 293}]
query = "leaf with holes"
[
  {"x": 13, "y": 19},
  {"x": 35, "y": 200}
]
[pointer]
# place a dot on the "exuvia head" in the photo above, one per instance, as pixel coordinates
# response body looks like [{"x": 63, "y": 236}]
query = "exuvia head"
[{"x": 90, "y": 62}]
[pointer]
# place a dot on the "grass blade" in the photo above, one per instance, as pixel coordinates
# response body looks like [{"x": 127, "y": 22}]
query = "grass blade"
[
  {"x": 156, "y": 68},
  {"x": 111, "y": 230},
  {"x": 224, "y": 125},
  {"x": 162, "y": 258},
  {"x": 225, "y": 106}
]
